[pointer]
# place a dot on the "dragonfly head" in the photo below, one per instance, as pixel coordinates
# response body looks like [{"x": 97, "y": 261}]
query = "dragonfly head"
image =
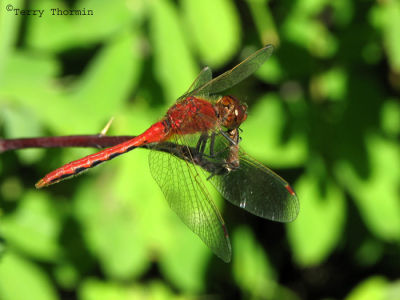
[{"x": 231, "y": 112}]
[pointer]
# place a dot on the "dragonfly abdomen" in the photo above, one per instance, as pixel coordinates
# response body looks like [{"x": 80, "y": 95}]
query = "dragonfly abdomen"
[{"x": 156, "y": 133}]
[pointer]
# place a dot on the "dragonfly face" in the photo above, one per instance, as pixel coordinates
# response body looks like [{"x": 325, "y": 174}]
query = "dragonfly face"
[{"x": 231, "y": 113}]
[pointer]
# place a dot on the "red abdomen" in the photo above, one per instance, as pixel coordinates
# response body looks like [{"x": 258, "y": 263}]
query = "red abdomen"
[{"x": 192, "y": 115}]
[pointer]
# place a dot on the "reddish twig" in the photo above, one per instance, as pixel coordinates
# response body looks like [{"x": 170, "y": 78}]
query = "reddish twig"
[
  {"x": 95, "y": 141},
  {"x": 188, "y": 154}
]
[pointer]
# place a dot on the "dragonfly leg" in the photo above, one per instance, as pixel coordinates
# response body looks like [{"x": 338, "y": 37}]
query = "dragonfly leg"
[
  {"x": 212, "y": 142},
  {"x": 228, "y": 137},
  {"x": 217, "y": 168},
  {"x": 201, "y": 144},
  {"x": 204, "y": 139}
]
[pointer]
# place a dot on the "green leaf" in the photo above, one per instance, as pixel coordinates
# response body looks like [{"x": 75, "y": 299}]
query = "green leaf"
[
  {"x": 11, "y": 189},
  {"x": 174, "y": 67},
  {"x": 9, "y": 26},
  {"x": 93, "y": 289},
  {"x": 331, "y": 85},
  {"x": 309, "y": 7},
  {"x": 264, "y": 21},
  {"x": 96, "y": 290},
  {"x": 272, "y": 71},
  {"x": 215, "y": 29},
  {"x": 34, "y": 227},
  {"x": 251, "y": 267},
  {"x": 90, "y": 102},
  {"x": 22, "y": 123},
  {"x": 377, "y": 196},
  {"x": 369, "y": 252},
  {"x": 30, "y": 83},
  {"x": 312, "y": 244},
  {"x": 262, "y": 135},
  {"x": 184, "y": 262},
  {"x": 27, "y": 74},
  {"x": 111, "y": 229},
  {"x": 16, "y": 272},
  {"x": 101, "y": 91},
  {"x": 390, "y": 117},
  {"x": 343, "y": 12},
  {"x": 394, "y": 290},
  {"x": 53, "y": 33},
  {"x": 66, "y": 275},
  {"x": 373, "y": 288},
  {"x": 308, "y": 32},
  {"x": 387, "y": 18}
]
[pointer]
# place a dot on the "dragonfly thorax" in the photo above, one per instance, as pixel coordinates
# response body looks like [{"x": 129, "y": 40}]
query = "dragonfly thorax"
[
  {"x": 191, "y": 115},
  {"x": 231, "y": 113}
]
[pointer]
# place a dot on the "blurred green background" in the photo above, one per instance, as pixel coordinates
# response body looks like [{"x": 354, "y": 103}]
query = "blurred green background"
[{"x": 324, "y": 112}]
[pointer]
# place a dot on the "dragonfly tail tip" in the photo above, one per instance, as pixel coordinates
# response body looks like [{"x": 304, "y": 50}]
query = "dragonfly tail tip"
[{"x": 40, "y": 184}]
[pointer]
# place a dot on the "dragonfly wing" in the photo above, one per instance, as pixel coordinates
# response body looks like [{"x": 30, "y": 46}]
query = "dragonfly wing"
[
  {"x": 186, "y": 194},
  {"x": 236, "y": 74},
  {"x": 258, "y": 190},
  {"x": 201, "y": 79}
]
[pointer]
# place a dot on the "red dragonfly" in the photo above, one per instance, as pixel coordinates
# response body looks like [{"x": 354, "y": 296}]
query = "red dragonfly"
[{"x": 198, "y": 141}]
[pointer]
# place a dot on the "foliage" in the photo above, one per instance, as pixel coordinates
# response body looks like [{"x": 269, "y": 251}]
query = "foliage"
[{"x": 324, "y": 112}]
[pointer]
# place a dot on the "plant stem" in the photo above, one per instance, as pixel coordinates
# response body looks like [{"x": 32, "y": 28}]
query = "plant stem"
[{"x": 95, "y": 141}]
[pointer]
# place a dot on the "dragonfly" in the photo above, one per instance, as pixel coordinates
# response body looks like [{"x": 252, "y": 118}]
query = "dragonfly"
[{"x": 197, "y": 141}]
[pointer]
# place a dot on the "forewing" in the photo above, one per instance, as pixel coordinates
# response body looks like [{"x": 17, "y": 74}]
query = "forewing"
[
  {"x": 236, "y": 74},
  {"x": 184, "y": 189},
  {"x": 204, "y": 76},
  {"x": 258, "y": 190}
]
